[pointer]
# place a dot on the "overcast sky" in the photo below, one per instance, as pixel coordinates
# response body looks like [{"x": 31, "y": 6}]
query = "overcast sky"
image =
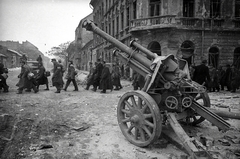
[{"x": 44, "y": 23}]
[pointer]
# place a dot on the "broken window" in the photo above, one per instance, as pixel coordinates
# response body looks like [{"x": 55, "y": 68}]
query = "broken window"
[
  {"x": 213, "y": 57},
  {"x": 155, "y": 8},
  {"x": 188, "y": 8},
  {"x": 237, "y": 8},
  {"x": 215, "y": 6}
]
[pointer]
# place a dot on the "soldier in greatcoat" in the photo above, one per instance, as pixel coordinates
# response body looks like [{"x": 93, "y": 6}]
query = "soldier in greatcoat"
[
  {"x": 39, "y": 59},
  {"x": 71, "y": 78},
  {"x": 90, "y": 76},
  {"x": 3, "y": 78},
  {"x": 138, "y": 81},
  {"x": 41, "y": 77},
  {"x": 201, "y": 73},
  {"x": 221, "y": 73},
  {"x": 106, "y": 81},
  {"x": 97, "y": 75},
  {"x": 116, "y": 75},
  {"x": 213, "y": 84},
  {"x": 26, "y": 79},
  {"x": 227, "y": 77},
  {"x": 235, "y": 78},
  {"x": 57, "y": 78}
]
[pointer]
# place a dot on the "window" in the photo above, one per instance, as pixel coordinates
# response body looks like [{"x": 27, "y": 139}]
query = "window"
[
  {"x": 117, "y": 25},
  {"x": 113, "y": 27},
  {"x": 237, "y": 8},
  {"x": 109, "y": 27},
  {"x": 100, "y": 11},
  {"x": 155, "y": 8},
  {"x": 134, "y": 10},
  {"x": 106, "y": 5},
  {"x": 188, "y": 8},
  {"x": 128, "y": 17},
  {"x": 155, "y": 47},
  {"x": 122, "y": 20},
  {"x": 213, "y": 56},
  {"x": 102, "y": 8},
  {"x": 215, "y": 6}
]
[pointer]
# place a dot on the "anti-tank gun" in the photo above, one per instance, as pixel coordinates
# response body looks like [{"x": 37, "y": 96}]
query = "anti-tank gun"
[{"x": 168, "y": 96}]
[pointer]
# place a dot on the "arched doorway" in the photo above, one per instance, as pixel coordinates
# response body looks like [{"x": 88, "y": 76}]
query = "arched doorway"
[
  {"x": 187, "y": 49},
  {"x": 236, "y": 57},
  {"x": 213, "y": 56},
  {"x": 155, "y": 47}
]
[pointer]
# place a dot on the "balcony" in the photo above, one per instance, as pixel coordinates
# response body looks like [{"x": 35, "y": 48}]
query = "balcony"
[
  {"x": 189, "y": 23},
  {"x": 153, "y": 22}
]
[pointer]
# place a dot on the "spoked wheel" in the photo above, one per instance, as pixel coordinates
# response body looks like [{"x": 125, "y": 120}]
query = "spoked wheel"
[
  {"x": 139, "y": 118},
  {"x": 193, "y": 118}
]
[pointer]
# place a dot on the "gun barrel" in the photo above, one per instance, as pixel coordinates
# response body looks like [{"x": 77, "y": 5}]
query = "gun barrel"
[
  {"x": 143, "y": 49},
  {"x": 135, "y": 65},
  {"x": 131, "y": 52}
]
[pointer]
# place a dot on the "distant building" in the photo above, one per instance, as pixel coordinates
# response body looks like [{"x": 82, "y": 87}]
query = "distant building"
[
  {"x": 10, "y": 58},
  {"x": 3, "y": 59},
  {"x": 14, "y": 58},
  {"x": 26, "y": 47},
  {"x": 207, "y": 29}
]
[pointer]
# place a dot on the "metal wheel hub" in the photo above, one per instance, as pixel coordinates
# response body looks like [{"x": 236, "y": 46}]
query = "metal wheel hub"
[{"x": 137, "y": 119}]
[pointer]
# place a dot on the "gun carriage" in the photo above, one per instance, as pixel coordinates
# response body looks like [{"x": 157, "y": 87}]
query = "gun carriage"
[{"x": 169, "y": 96}]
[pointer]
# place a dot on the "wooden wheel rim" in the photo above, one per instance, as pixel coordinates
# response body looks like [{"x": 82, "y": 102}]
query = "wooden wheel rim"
[{"x": 139, "y": 118}]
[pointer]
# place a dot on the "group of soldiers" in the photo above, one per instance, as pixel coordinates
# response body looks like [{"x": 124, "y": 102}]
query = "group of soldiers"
[
  {"x": 220, "y": 78},
  {"x": 30, "y": 79},
  {"x": 216, "y": 79},
  {"x": 100, "y": 77}
]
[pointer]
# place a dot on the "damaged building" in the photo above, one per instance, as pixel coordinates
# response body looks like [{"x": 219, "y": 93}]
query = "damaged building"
[{"x": 200, "y": 29}]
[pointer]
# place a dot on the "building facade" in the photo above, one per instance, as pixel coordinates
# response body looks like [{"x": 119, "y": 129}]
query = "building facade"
[
  {"x": 87, "y": 56},
  {"x": 113, "y": 17},
  {"x": 200, "y": 29},
  {"x": 83, "y": 42}
]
